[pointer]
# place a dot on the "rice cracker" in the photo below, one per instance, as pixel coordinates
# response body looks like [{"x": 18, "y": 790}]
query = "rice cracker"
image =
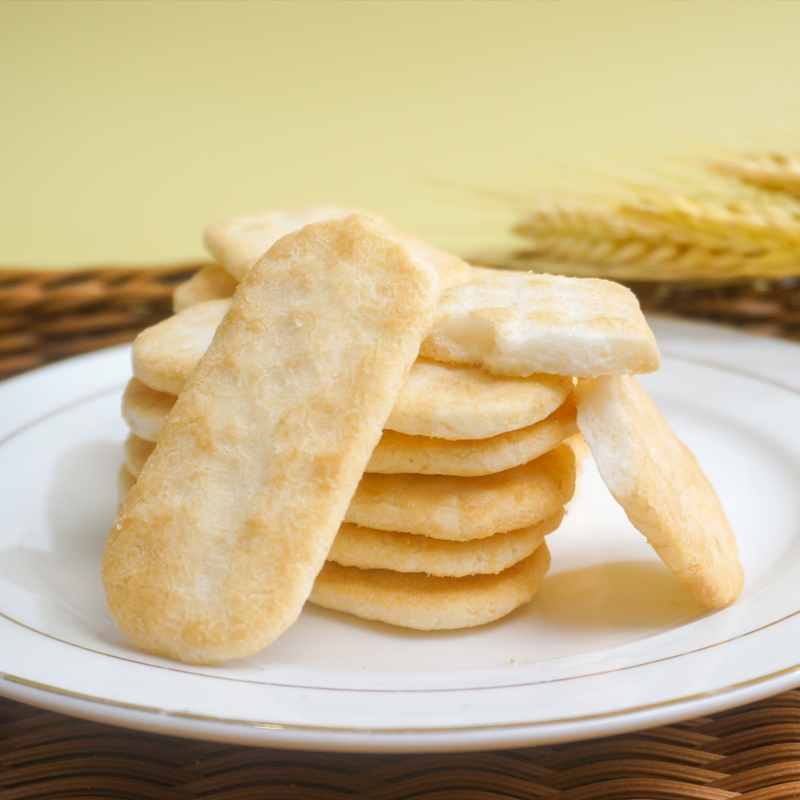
[
  {"x": 426, "y": 602},
  {"x": 523, "y": 324},
  {"x": 145, "y": 410},
  {"x": 662, "y": 488},
  {"x": 367, "y": 548},
  {"x": 237, "y": 243},
  {"x": 459, "y": 509},
  {"x": 447, "y": 401},
  {"x": 209, "y": 283},
  {"x": 217, "y": 546},
  {"x": 164, "y": 355},
  {"x": 399, "y": 452}
]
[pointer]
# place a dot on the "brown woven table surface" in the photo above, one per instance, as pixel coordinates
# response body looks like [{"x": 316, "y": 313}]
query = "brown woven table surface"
[{"x": 751, "y": 752}]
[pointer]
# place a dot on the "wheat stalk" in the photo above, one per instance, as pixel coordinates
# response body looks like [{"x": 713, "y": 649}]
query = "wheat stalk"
[
  {"x": 771, "y": 171},
  {"x": 661, "y": 236}
]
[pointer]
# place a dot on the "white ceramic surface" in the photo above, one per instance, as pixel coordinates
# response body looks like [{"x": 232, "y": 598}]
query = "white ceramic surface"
[{"x": 611, "y": 643}]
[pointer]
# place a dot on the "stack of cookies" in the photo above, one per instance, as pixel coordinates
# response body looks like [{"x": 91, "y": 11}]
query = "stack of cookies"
[
  {"x": 446, "y": 528},
  {"x": 443, "y": 521}
]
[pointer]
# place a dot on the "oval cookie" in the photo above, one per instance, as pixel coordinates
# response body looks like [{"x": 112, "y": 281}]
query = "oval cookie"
[
  {"x": 662, "y": 488},
  {"x": 459, "y": 509},
  {"x": 399, "y": 452},
  {"x": 367, "y": 548},
  {"x": 209, "y": 283},
  {"x": 446, "y": 401},
  {"x": 429, "y": 603}
]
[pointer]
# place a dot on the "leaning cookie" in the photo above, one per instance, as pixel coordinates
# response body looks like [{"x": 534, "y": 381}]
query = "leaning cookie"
[
  {"x": 662, "y": 488},
  {"x": 424, "y": 602},
  {"x": 211, "y": 555}
]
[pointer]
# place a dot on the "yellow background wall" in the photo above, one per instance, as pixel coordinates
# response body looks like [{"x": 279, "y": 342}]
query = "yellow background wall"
[{"x": 126, "y": 126}]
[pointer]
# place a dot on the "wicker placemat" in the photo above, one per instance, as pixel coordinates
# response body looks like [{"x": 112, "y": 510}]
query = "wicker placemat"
[{"x": 751, "y": 752}]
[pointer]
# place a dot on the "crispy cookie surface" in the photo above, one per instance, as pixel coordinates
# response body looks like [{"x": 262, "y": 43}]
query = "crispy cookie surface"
[
  {"x": 662, "y": 488},
  {"x": 367, "y": 548},
  {"x": 399, "y": 452},
  {"x": 459, "y": 509},
  {"x": 523, "y": 324},
  {"x": 212, "y": 555},
  {"x": 427, "y": 602},
  {"x": 238, "y": 242}
]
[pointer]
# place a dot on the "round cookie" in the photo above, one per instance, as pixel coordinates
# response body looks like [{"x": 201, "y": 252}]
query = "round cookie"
[
  {"x": 145, "y": 410},
  {"x": 446, "y": 401},
  {"x": 426, "y": 602},
  {"x": 367, "y": 548},
  {"x": 209, "y": 283},
  {"x": 399, "y": 452},
  {"x": 459, "y": 509},
  {"x": 165, "y": 354}
]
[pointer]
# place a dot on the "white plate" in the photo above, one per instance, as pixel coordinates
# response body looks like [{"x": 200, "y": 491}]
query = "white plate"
[{"x": 611, "y": 643}]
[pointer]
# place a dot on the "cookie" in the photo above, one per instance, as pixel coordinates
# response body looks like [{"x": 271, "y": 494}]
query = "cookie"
[
  {"x": 212, "y": 556},
  {"x": 524, "y": 324},
  {"x": 662, "y": 488},
  {"x": 367, "y": 548},
  {"x": 399, "y": 452},
  {"x": 426, "y": 602},
  {"x": 459, "y": 509},
  {"x": 209, "y": 283}
]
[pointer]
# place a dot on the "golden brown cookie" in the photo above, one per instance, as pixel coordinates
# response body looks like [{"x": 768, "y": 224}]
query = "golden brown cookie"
[
  {"x": 460, "y": 509},
  {"x": 426, "y": 602},
  {"x": 367, "y": 548},
  {"x": 209, "y": 283},
  {"x": 216, "y": 548},
  {"x": 399, "y": 452}
]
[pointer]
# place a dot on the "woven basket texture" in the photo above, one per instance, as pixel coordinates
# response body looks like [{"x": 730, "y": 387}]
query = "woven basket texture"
[{"x": 751, "y": 752}]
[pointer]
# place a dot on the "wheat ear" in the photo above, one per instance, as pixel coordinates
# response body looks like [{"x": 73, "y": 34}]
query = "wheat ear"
[
  {"x": 772, "y": 172},
  {"x": 661, "y": 237}
]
